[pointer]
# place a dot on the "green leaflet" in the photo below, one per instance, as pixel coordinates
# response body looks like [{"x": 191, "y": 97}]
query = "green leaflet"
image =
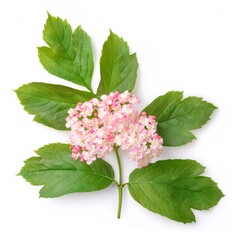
[
  {"x": 69, "y": 55},
  {"x": 50, "y": 103},
  {"x": 60, "y": 174},
  {"x": 176, "y": 117},
  {"x": 172, "y": 187},
  {"x": 118, "y": 68}
]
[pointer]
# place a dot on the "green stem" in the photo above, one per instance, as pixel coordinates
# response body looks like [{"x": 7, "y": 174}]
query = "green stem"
[
  {"x": 120, "y": 185},
  {"x": 119, "y": 202}
]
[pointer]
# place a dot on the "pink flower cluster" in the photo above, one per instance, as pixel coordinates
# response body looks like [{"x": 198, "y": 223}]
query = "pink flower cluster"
[{"x": 97, "y": 126}]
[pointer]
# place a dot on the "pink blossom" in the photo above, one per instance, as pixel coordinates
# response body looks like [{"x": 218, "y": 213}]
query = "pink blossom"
[{"x": 97, "y": 126}]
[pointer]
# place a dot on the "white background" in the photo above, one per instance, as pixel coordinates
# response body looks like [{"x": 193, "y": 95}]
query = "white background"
[{"x": 182, "y": 45}]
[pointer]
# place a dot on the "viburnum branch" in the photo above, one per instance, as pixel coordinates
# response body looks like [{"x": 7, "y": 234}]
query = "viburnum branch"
[{"x": 106, "y": 121}]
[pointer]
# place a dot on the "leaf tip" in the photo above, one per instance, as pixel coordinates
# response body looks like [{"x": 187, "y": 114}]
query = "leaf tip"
[
  {"x": 49, "y": 15},
  {"x": 111, "y": 32},
  {"x": 214, "y": 107},
  {"x": 15, "y": 90},
  {"x": 114, "y": 35},
  {"x": 192, "y": 219},
  {"x": 40, "y": 195},
  {"x": 43, "y": 193}
]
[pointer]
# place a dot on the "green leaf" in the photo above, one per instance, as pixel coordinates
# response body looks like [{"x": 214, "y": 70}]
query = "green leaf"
[
  {"x": 118, "y": 68},
  {"x": 176, "y": 117},
  {"x": 172, "y": 187},
  {"x": 50, "y": 103},
  {"x": 60, "y": 174},
  {"x": 69, "y": 55}
]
